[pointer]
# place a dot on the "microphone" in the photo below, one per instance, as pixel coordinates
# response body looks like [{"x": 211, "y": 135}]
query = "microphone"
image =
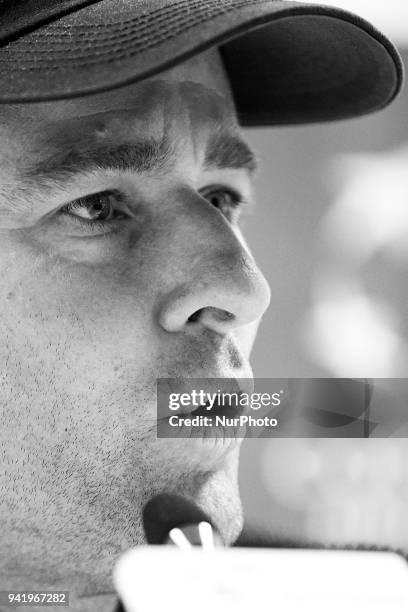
[
  {"x": 150, "y": 578},
  {"x": 173, "y": 519}
]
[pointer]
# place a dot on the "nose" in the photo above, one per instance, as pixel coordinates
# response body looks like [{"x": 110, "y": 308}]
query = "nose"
[{"x": 221, "y": 287}]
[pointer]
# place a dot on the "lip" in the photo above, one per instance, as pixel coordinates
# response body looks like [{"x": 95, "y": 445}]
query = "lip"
[
  {"x": 218, "y": 418},
  {"x": 227, "y": 408},
  {"x": 210, "y": 385}
]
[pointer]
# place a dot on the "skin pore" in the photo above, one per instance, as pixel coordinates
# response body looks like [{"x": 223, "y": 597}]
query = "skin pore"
[{"x": 118, "y": 222}]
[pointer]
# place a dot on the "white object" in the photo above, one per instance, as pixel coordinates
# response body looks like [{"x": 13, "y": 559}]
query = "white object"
[{"x": 167, "y": 579}]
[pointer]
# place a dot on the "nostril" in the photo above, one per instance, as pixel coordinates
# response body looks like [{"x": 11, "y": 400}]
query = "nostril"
[
  {"x": 221, "y": 315},
  {"x": 210, "y": 313},
  {"x": 195, "y": 316}
]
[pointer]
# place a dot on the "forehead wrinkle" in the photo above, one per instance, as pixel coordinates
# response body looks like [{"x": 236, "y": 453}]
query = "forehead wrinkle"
[
  {"x": 69, "y": 152},
  {"x": 192, "y": 112}
]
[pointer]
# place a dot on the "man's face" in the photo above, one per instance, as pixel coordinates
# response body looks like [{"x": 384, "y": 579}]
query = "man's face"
[{"x": 121, "y": 261}]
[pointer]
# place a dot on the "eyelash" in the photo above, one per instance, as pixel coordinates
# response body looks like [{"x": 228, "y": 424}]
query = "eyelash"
[
  {"x": 236, "y": 203},
  {"x": 118, "y": 197}
]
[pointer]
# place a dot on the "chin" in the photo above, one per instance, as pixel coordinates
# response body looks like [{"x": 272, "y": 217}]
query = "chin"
[{"x": 220, "y": 499}]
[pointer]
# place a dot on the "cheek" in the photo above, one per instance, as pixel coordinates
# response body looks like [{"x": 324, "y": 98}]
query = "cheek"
[
  {"x": 80, "y": 355},
  {"x": 78, "y": 324}
]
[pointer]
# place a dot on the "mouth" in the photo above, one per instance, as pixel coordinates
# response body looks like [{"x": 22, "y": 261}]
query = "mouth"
[
  {"x": 227, "y": 409},
  {"x": 213, "y": 408}
]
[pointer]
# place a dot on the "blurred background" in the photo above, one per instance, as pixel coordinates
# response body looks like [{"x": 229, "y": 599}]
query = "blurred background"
[{"x": 331, "y": 235}]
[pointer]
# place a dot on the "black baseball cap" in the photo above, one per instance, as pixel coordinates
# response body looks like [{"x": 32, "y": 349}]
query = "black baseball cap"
[{"x": 287, "y": 62}]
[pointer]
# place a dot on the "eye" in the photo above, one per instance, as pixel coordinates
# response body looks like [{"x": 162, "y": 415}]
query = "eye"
[
  {"x": 225, "y": 199},
  {"x": 98, "y": 207}
]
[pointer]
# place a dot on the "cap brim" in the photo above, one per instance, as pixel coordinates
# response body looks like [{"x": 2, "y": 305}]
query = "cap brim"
[{"x": 287, "y": 62}]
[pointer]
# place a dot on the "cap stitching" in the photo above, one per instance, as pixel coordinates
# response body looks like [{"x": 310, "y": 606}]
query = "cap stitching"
[
  {"x": 182, "y": 6},
  {"x": 155, "y": 24},
  {"x": 141, "y": 43}
]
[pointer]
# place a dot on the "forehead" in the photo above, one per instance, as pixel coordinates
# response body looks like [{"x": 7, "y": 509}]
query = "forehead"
[{"x": 190, "y": 99}]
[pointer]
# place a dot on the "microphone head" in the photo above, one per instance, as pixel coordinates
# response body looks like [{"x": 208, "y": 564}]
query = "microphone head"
[{"x": 166, "y": 511}]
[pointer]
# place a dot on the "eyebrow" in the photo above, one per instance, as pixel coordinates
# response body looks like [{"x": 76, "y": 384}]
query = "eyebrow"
[
  {"x": 223, "y": 151},
  {"x": 141, "y": 156},
  {"x": 226, "y": 150}
]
